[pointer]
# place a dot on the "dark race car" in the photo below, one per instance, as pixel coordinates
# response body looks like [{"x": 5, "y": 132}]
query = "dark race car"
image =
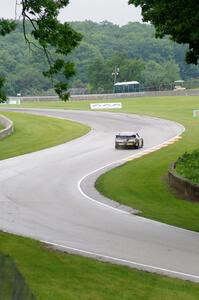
[{"x": 128, "y": 140}]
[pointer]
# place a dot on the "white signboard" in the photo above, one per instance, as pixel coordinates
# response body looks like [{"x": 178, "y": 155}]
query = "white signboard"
[
  {"x": 196, "y": 113},
  {"x": 105, "y": 105}
]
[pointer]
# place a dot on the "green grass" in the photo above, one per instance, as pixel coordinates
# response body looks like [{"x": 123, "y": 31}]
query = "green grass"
[
  {"x": 1, "y": 127},
  {"x": 11, "y": 281},
  {"x": 145, "y": 105},
  {"x": 79, "y": 105},
  {"x": 32, "y": 133},
  {"x": 58, "y": 276}
]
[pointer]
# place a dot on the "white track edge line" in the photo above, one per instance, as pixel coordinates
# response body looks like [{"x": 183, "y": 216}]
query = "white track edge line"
[
  {"x": 129, "y": 262},
  {"x": 154, "y": 148}
]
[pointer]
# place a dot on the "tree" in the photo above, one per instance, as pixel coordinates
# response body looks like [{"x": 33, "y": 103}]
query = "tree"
[
  {"x": 177, "y": 18},
  {"x": 2, "y": 92},
  {"x": 138, "y": 45},
  {"x": 99, "y": 76},
  {"x": 153, "y": 74},
  {"x": 131, "y": 70},
  {"x": 49, "y": 34}
]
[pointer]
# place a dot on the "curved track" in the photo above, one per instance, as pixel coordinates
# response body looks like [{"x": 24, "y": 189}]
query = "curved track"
[{"x": 44, "y": 196}]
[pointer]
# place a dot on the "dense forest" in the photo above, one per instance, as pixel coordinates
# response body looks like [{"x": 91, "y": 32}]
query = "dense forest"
[{"x": 132, "y": 50}]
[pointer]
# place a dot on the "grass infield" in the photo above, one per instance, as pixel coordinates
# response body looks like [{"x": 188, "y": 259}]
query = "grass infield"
[
  {"x": 1, "y": 127},
  {"x": 32, "y": 133},
  {"x": 57, "y": 276}
]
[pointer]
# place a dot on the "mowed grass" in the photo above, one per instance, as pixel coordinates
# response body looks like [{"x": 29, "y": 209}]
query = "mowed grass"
[
  {"x": 143, "y": 105},
  {"x": 32, "y": 133},
  {"x": 57, "y": 276}
]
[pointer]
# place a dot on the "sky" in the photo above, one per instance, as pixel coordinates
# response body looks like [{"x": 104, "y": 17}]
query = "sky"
[{"x": 115, "y": 11}]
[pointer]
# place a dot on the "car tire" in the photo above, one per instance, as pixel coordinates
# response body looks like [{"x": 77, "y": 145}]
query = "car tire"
[
  {"x": 142, "y": 144},
  {"x": 137, "y": 146}
]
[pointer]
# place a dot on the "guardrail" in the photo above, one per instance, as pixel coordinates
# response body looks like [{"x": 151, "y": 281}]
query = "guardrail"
[
  {"x": 193, "y": 92},
  {"x": 183, "y": 186},
  {"x": 9, "y": 127},
  {"x": 135, "y": 95}
]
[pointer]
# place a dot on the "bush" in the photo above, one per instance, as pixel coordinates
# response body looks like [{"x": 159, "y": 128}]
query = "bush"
[{"x": 188, "y": 166}]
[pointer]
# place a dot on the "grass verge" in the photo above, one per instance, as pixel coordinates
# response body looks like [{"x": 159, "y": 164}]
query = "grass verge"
[
  {"x": 54, "y": 275},
  {"x": 32, "y": 133},
  {"x": 1, "y": 127}
]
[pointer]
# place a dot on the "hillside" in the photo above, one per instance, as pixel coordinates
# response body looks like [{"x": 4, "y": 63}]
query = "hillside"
[{"x": 132, "y": 48}]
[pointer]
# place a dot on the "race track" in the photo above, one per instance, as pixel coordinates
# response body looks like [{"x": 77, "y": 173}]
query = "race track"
[{"x": 48, "y": 195}]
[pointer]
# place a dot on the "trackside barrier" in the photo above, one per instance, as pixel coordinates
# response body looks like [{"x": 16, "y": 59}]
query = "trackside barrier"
[
  {"x": 9, "y": 127},
  {"x": 183, "y": 186},
  {"x": 102, "y": 97}
]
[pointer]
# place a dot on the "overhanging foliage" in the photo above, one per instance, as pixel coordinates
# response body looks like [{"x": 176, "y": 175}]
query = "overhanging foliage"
[
  {"x": 177, "y": 18},
  {"x": 49, "y": 34}
]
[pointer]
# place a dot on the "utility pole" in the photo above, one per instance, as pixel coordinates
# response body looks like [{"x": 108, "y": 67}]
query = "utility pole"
[{"x": 115, "y": 74}]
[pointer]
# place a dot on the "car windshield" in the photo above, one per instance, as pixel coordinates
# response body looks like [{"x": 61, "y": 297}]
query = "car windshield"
[{"x": 125, "y": 136}]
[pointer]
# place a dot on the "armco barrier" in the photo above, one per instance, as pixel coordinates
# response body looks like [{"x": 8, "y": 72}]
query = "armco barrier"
[
  {"x": 183, "y": 186},
  {"x": 103, "y": 97},
  {"x": 135, "y": 95},
  {"x": 8, "y": 124}
]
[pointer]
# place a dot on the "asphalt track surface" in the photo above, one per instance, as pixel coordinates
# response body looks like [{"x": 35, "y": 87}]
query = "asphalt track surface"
[{"x": 48, "y": 195}]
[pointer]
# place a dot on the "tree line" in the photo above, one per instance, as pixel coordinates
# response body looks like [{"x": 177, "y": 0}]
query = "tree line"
[{"x": 132, "y": 49}]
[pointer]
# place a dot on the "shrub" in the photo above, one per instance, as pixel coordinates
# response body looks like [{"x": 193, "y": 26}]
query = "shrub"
[{"x": 188, "y": 166}]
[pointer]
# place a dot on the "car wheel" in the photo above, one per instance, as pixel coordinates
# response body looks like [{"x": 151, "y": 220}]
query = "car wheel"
[
  {"x": 142, "y": 144},
  {"x": 137, "y": 146}
]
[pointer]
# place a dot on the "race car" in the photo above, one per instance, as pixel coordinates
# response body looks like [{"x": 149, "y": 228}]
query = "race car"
[{"x": 128, "y": 140}]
